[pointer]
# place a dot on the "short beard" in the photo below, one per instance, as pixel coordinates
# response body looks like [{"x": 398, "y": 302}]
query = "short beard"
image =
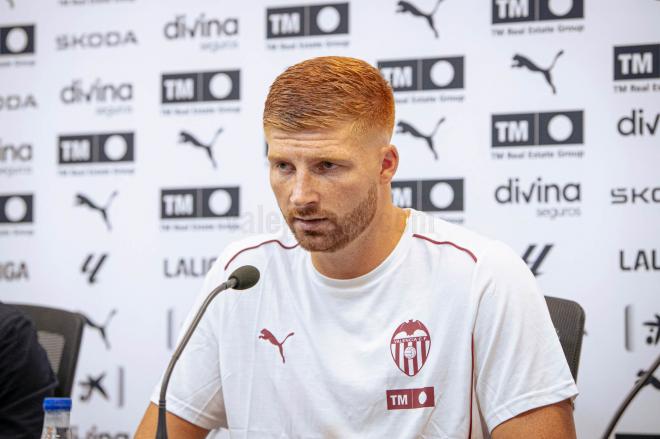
[{"x": 343, "y": 231}]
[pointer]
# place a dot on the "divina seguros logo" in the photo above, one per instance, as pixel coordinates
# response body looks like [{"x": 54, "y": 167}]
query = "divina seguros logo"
[
  {"x": 200, "y": 27},
  {"x": 554, "y": 200},
  {"x": 213, "y": 33},
  {"x": 97, "y": 92},
  {"x": 105, "y": 98}
]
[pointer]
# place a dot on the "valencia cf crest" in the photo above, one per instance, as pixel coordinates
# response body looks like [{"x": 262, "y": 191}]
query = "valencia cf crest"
[{"x": 410, "y": 346}]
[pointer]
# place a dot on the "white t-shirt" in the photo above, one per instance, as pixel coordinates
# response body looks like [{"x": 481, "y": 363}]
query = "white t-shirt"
[{"x": 448, "y": 335}]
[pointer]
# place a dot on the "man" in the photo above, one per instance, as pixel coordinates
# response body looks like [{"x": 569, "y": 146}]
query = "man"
[
  {"x": 369, "y": 320},
  {"x": 26, "y": 377}
]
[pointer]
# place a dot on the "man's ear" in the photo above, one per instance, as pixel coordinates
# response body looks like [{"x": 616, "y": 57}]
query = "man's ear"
[{"x": 389, "y": 163}]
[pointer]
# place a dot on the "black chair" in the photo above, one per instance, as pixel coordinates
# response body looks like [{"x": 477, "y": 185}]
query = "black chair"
[
  {"x": 568, "y": 318},
  {"x": 59, "y": 333}
]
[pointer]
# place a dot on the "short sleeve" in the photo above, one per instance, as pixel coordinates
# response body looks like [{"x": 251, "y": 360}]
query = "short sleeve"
[
  {"x": 195, "y": 388},
  {"x": 519, "y": 362}
]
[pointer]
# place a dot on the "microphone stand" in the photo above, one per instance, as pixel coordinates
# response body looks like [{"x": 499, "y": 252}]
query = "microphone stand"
[
  {"x": 161, "y": 432},
  {"x": 624, "y": 405}
]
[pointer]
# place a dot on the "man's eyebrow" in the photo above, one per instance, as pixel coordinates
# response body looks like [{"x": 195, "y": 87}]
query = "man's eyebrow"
[{"x": 320, "y": 158}]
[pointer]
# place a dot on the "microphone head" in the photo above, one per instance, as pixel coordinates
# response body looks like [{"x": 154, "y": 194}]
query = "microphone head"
[{"x": 246, "y": 277}]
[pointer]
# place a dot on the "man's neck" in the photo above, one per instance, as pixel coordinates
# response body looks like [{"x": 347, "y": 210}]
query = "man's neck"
[{"x": 368, "y": 250}]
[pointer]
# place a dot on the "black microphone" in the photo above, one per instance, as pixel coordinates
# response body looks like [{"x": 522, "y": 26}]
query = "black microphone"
[{"x": 242, "y": 278}]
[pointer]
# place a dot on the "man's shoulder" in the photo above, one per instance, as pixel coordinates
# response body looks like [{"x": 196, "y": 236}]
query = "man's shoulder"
[
  {"x": 253, "y": 248},
  {"x": 439, "y": 232},
  {"x": 492, "y": 259}
]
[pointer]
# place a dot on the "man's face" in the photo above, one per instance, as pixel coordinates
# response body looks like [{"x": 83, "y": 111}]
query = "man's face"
[{"x": 326, "y": 185}]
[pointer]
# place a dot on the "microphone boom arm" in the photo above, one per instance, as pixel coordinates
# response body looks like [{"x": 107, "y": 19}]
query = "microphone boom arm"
[
  {"x": 643, "y": 380},
  {"x": 162, "y": 426}
]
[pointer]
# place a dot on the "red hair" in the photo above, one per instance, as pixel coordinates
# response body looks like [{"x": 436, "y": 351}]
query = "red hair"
[{"x": 328, "y": 92}]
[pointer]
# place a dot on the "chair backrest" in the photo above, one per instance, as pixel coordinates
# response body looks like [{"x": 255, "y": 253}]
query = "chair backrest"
[
  {"x": 568, "y": 318},
  {"x": 59, "y": 333}
]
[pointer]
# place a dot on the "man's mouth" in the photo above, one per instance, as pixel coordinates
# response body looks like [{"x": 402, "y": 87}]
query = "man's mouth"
[{"x": 309, "y": 224}]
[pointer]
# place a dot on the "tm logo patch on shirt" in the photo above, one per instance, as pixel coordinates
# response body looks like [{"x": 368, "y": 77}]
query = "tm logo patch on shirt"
[{"x": 401, "y": 399}]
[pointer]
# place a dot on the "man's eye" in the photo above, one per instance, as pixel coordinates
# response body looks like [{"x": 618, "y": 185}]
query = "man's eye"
[
  {"x": 282, "y": 166},
  {"x": 328, "y": 166}
]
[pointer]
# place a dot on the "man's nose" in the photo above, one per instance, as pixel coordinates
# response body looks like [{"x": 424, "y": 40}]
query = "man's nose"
[{"x": 304, "y": 190}]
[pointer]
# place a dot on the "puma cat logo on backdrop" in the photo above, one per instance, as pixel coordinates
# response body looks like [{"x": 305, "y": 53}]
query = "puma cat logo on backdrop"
[
  {"x": 405, "y": 128},
  {"x": 522, "y": 61},
  {"x": 186, "y": 137},
  {"x": 101, "y": 328},
  {"x": 404, "y": 6},
  {"x": 267, "y": 335},
  {"x": 83, "y": 200}
]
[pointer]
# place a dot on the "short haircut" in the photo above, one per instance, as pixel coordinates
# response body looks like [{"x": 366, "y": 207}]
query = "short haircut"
[{"x": 329, "y": 92}]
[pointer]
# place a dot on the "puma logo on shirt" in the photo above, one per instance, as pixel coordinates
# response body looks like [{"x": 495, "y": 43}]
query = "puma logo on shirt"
[{"x": 267, "y": 335}]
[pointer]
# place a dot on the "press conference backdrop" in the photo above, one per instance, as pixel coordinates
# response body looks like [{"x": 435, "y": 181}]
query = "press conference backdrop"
[{"x": 131, "y": 152}]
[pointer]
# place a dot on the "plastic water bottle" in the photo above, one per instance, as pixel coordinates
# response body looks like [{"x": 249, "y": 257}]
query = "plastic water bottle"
[{"x": 56, "y": 418}]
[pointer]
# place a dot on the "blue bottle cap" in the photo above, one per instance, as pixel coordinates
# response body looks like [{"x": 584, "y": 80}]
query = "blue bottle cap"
[{"x": 57, "y": 404}]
